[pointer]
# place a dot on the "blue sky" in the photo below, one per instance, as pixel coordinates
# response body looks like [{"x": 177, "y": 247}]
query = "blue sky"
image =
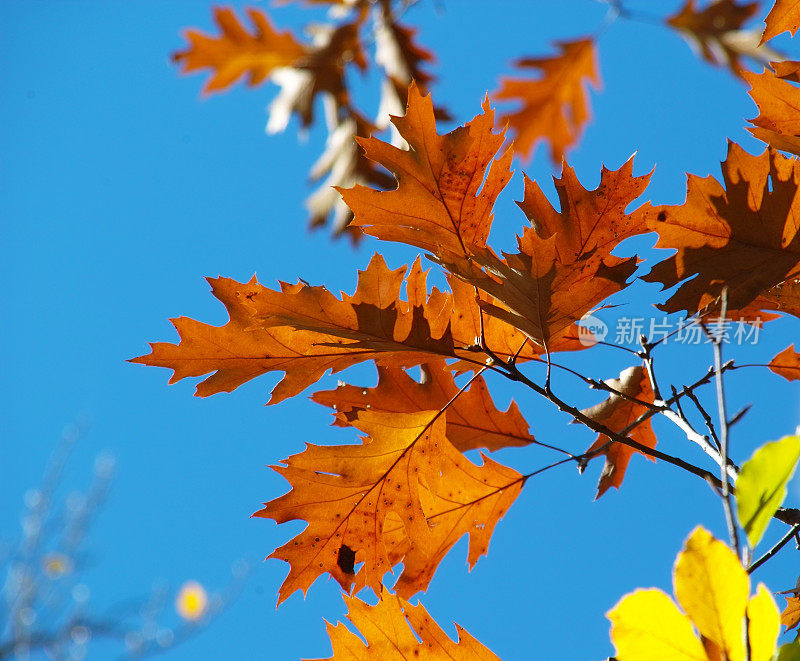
[{"x": 122, "y": 189}]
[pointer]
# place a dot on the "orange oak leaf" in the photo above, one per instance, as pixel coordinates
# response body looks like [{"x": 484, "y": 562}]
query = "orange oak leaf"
[
  {"x": 396, "y": 631},
  {"x": 778, "y": 101},
  {"x": 564, "y": 267},
  {"x": 405, "y": 473},
  {"x": 555, "y": 106},
  {"x": 616, "y": 413},
  {"x": 236, "y": 52},
  {"x": 790, "y": 617},
  {"x": 787, "y": 70},
  {"x": 787, "y": 364},
  {"x": 743, "y": 234},
  {"x": 784, "y": 16},
  {"x": 305, "y": 331},
  {"x": 716, "y": 32},
  {"x": 473, "y": 421},
  {"x": 784, "y": 298},
  {"x": 447, "y": 184}
]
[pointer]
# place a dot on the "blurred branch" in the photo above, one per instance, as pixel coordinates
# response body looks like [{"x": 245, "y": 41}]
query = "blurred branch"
[{"x": 43, "y": 601}]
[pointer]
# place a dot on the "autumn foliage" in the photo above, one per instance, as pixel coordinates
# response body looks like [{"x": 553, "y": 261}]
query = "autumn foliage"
[{"x": 406, "y": 492}]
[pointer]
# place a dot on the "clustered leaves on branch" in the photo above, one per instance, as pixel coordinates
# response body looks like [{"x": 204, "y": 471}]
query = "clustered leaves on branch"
[{"x": 406, "y": 492}]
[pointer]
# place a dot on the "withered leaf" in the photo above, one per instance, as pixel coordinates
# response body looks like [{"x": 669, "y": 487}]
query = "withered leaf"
[
  {"x": 447, "y": 185},
  {"x": 406, "y": 479},
  {"x": 617, "y": 412},
  {"x": 236, "y": 52},
  {"x": 743, "y": 234},
  {"x": 305, "y": 331},
  {"x": 392, "y": 628},
  {"x": 555, "y": 106},
  {"x": 473, "y": 421}
]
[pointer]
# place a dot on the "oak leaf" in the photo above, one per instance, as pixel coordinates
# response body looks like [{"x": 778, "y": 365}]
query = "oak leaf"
[
  {"x": 716, "y": 32},
  {"x": 236, "y": 52},
  {"x": 790, "y": 617},
  {"x": 403, "y": 61},
  {"x": 743, "y": 234},
  {"x": 393, "y": 629},
  {"x": 616, "y": 413},
  {"x": 787, "y": 70},
  {"x": 405, "y": 476},
  {"x": 555, "y": 106},
  {"x": 321, "y": 72},
  {"x": 473, "y": 420},
  {"x": 305, "y": 331},
  {"x": 787, "y": 364},
  {"x": 447, "y": 184},
  {"x": 784, "y": 16},
  {"x": 778, "y": 122},
  {"x": 784, "y": 297},
  {"x": 564, "y": 268}
]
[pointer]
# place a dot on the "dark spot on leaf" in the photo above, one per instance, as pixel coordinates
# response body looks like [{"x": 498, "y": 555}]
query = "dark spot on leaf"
[
  {"x": 346, "y": 559},
  {"x": 662, "y": 216}
]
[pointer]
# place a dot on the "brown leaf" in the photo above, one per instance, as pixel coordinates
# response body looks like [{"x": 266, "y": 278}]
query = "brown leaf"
[
  {"x": 784, "y": 16},
  {"x": 392, "y": 628},
  {"x": 784, "y": 298},
  {"x": 236, "y": 52},
  {"x": 743, "y": 235},
  {"x": 790, "y": 617},
  {"x": 343, "y": 164},
  {"x": 405, "y": 468},
  {"x": 447, "y": 185},
  {"x": 616, "y": 413},
  {"x": 787, "y": 70},
  {"x": 555, "y": 106},
  {"x": 787, "y": 364},
  {"x": 564, "y": 268},
  {"x": 305, "y": 331},
  {"x": 716, "y": 32},
  {"x": 778, "y": 122},
  {"x": 473, "y": 421},
  {"x": 320, "y": 72},
  {"x": 402, "y": 58}
]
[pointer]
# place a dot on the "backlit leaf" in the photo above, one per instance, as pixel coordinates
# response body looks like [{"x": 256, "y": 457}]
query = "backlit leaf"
[
  {"x": 647, "y": 626},
  {"x": 473, "y": 421},
  {"x": 712, "y": 588},
  {"x": 406, "y": 479},
  {"x": 616, "y": 413},
  {"x": 555, "y": 106},
  {"x": 761, "y": 485},
  {"x": 391, "y": 628},
  {"x": 236, "y": 52}
]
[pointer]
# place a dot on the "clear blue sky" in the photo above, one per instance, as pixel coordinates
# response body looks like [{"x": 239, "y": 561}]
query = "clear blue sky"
[{"x": 121, "y": 190}]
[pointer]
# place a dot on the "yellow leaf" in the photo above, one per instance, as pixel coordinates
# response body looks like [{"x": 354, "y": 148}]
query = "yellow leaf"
[
  {"x": 647, "y": 625},
  {"x": 764, "y": 624},
  {"x": 712, "y": 588}
]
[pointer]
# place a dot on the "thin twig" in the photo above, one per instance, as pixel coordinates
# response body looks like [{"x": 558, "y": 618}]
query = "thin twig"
[
  {"x": 793, "y": 531},
  {"x": 727, "y": 501},
  {"x": 706, "y": 417}
]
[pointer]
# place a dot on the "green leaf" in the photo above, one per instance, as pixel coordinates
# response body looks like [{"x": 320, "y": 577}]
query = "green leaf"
[
  {"x": 789, "y": 652},
  {"x": 761, "y": 485}
]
